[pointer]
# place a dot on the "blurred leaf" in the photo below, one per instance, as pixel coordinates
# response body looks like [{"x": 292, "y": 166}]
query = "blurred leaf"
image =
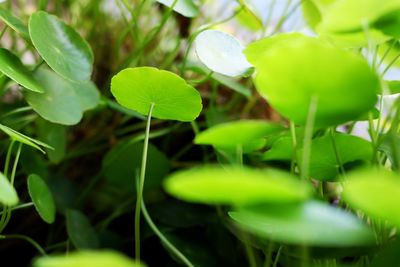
[
  {"x": 8, "y": 195},
  {"x": 340, "y": 82},
  {"x": 80, "y": 231},
  {"x": 54, "y": 135},
  {"x": 186, "y": 8},
  {"x": 87, "y": 259},
  {"x": 376, "y": 192},
  {"x": 235, "y": 186},
  {"x": 309, "y": 223},
  {"x": 14, "y": 23},
  {"x": 221, "y": 53},
  {"x": 42, "y": 198},
  {"x": 13, "y": 68}
]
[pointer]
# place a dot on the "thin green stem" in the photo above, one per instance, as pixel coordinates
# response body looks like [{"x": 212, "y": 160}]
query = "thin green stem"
[
  {"x": 14, "y": 169},
  {"x": 239, "y": 154},
  {"x": 308, "y": 134},
  {"x": 335, "y": 150},
  {"x": 28, "y": 239},
  {"x": 141, "y": 185},
  {"x": 163, "y": 239},
  {"x": 268, "y": 254},
  {"x": 390, "y": 65},
  {"x": 22, "y": 206},
  {"x": 8, "y": 157},
  {"x": 278, "y": 254},
  {"x": 294, "y": 147}
]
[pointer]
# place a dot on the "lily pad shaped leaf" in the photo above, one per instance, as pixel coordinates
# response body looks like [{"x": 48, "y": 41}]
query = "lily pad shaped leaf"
[
  {"x": 42, "y": 198},
  {"x": 309, "y": 223},
  {"x": 59, "y": 103},
  {"x": 8, "y": 195},
  {"x": 16, "y": 136},
  {"x": 80, "y": 231},
  {"x": 173, "y": 98},
  {"x": 235, "y": 186},
  {"x": 14, "y": 23},
  {"x": 13, "y": 68},
  {"x": 238, "y": 133},
  {"x": 64, "y": 50},
  {"x": 186, "y": 8},
  {"x": 295, "y": 71},
  {"x": 375, "y": 192},
  {"x": 221, "y": 53},
  {"x": 87, "y": 259},
  {"x": 353, "y": 15}
]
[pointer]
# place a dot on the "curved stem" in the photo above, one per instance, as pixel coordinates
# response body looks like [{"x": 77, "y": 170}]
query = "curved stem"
[
  {"x": 141, "y": 185},
  {"x": 26, "y": 238},
  {"x": 335, "y": 150},
  {"x": 163, "y": 239},
  {"x": 308, "y": 133}
]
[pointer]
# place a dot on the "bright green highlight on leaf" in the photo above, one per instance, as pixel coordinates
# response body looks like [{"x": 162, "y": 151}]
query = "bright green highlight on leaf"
[
  {"x": 293, "y": 69},
  {"x": 8, "y": 195},
  {"x": 16, "y": 136},
  {"x": 243, "y": 133},
  {"x": 375, "y": 192},
  {"x": 235, "y": 186},
  {"x": 59, "y": 103},
  {"x": 42, "y": 198},
  {"x": 87, "y": 259},
  {"x": 309, "y": 223},
  {"x": 353, "y": 15},
  {"x": 64, "y": 50},
  {"x": 12, "y": 67},
  {"x": 221, "y": 53},
  {"x": 14, "y": 23},
  {"x": 186, "y": 8},
  {"x": 173, "y": 98}
]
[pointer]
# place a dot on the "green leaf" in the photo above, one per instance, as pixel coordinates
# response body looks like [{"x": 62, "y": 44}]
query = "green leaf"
[
  {"x": 244, "y": 133},
  {"x": 221, "y": 53},
  {"x": 323, "y": 163},
  {"x": 13, "y": 68},
  {"x": 393, "y": 86},
  {"x": 341, "y": 83},
  {"x": 8, "y": 195},
  {"x": 14, "y": 23},
  {"x": 122, "y": 163},
  {"x": 64, "y": 50},
  {"x": 87, "y": 259},
  {"x": 281, "y": 150},
  {"x": 248, "y": 16},
  {"x": 16, "y": 136},
  {"x": 88, "y": 94},
  {"x": 59, "y": 102},
  {"x": 186, "y": 8},
  {"x": 42, "y": 198},
  {"x": 56, "y": 136},
  {"x": 80, "y": 231},
  {"x": 309, "y": 223},
  {"x": 375, "y": 192},
  {"x": 235, "y": 186},
  {"x": 173, "y": 98},
  {"x": 353, "y": 15}
]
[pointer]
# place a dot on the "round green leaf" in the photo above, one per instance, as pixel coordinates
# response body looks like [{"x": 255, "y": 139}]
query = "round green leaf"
[
  {"x": 16, "y": 136},
  {"x": 173, "y": 98},
  {"x": 8, "y": 195},
  {"x": 80, "y": 231},
  {"x": 293, "y": 70},
  {"x": 42, "y": 198},
  {"x": 186, "y": 8},
  {"x": 235, "y": 186},
  {"x": 221, "y": 53},
  {"x": 352, "y": 15},
  {"x": 87, "y": 259},
  {"x": 64, "y": 50},
  {"x": 281, "y": 150},
  {"x": 241, "y": 133},
  {"x": 13, "y": 68},
  {"x": 323, "y": 162},
  {"x": 375, "y": 192},
  {"x": 14, "y": 23},
  {"x": 59, "y": 102},
  {"x": 88, "y": 94},
  {"x": 309, "y": 223}
]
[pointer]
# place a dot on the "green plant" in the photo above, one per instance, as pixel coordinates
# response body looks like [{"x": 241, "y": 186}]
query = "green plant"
[{"x": 227, "y": 152}]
